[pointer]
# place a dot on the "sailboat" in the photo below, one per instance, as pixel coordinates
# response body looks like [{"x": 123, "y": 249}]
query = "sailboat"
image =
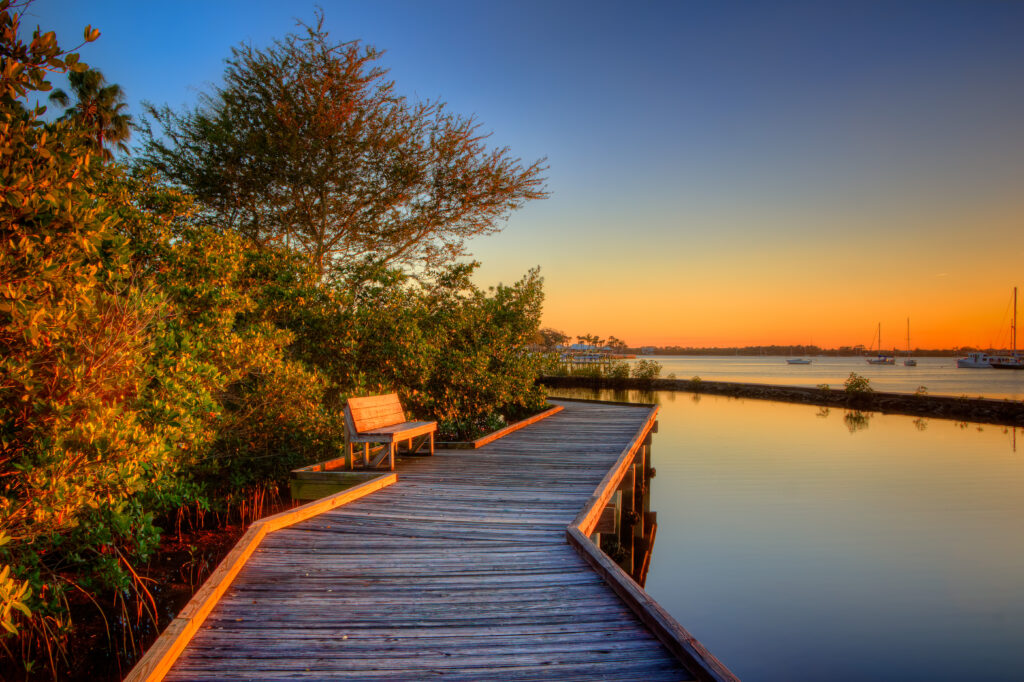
[
  {"x": 881, "y": 359},
  {"x": 909, "y": 361},
  {"x": 1013, "y": 361}
]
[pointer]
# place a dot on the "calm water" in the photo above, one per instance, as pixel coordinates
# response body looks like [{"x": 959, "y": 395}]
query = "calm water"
[
  {"x": 939, "y": 375},
  {"x": 803, "y": 544}
]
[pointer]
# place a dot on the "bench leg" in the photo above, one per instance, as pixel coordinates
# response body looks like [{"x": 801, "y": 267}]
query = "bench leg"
[
  {"x": 366, "y": 455},
  {"x": 431, "y": 443},
  {"x": 391, "y": 455},
  {"x": 349, "y": 464}
]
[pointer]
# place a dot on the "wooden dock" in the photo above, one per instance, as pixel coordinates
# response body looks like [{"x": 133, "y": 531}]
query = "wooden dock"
[{"x": 461, "y": 569}]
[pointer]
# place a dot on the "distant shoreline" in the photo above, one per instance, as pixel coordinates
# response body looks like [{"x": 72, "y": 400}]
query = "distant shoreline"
[
  {"x": 981, "y": 410},
  {"x": 805, "y": 351}
]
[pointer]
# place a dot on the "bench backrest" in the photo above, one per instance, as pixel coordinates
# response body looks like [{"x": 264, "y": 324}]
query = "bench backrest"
[{"x": 375, "y": 411}]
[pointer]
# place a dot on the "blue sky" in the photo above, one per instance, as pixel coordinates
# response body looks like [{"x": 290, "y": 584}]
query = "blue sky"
[{"x": 721, "y": 172}]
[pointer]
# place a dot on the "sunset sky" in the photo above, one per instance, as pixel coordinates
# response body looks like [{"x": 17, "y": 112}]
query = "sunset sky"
[{"x": 721, "y": 173}]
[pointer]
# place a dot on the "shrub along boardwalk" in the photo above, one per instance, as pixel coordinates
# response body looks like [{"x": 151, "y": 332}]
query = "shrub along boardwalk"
[{"x": 461, "y": 570}]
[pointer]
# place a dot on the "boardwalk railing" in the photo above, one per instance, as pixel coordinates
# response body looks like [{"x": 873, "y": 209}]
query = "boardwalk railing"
[{"x": 674, "y": 636}]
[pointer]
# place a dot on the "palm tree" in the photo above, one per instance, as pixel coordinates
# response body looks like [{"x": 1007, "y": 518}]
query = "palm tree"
[
  {"x": 99, "y": 108},
  {"x": 617, "y": 344}
]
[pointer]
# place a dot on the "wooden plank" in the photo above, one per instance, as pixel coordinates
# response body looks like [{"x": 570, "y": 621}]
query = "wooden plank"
[
  {"x": 398, "y": 431},
  {"x": 512, "y": 428},
  {"x": 373, "y": 400}
]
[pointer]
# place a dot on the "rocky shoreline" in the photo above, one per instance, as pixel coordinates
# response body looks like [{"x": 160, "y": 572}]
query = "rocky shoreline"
[{"x": 981, "y": 410}]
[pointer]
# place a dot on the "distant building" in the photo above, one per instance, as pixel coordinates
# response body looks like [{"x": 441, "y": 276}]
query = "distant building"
[{"x": 647, "y": 350}]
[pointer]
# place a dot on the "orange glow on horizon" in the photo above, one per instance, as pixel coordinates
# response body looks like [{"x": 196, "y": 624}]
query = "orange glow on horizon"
[{"x": 953, "y": 321}]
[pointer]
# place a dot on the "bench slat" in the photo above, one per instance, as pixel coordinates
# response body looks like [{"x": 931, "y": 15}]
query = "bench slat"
[
  {"x": 373, "y": 400},
  {"x": 396, "y": 432},
  {"x": 377, "y": 412},
  {"x": 371, "y": 423}
]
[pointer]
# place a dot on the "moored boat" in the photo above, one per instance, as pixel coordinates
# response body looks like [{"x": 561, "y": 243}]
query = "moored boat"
[
  {"x": 1012, "y": 361},
  {"x": 882, "y": 359},
  {"x": 798, "y": 361},
  {"x": 976, "y": 360},
  {"x": 909, "y": 361}
]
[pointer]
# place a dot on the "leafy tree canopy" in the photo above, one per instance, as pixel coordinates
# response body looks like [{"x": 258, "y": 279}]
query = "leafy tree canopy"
[{"x": 307, "y": 143}]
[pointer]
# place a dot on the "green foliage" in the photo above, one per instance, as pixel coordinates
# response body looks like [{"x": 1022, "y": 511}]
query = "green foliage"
[
  {"x": 74, "y": 456},
  {"x": 454, "y": 352},
  {"x": 921, "y": 391},
  {"x": 857, "y": 385},
  {"x": 307, "y": 144},
  {"x": 695, "y": 383},
  {"x": 646, "y": 369},
  {"x": 253, "y": 411},
  {"x": 618, "y": 370}
]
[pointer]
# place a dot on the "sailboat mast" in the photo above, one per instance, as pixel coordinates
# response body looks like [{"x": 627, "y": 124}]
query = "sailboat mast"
[
  {"x": 1013, "y": 330},
  {"x": 908, "y": 336}
]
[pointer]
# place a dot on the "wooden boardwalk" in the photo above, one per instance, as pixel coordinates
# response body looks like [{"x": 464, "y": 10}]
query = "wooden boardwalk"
[{"x": 459, "y": 570}]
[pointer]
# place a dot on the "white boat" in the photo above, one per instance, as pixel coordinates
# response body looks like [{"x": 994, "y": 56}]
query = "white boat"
[
  {"x": 909, "y": 361},
  {"x": 975, "y": 360},
  {"x": 798, "y": 361},
  {"x": 881, "y": 359},
  {"x": 1012, "y": 361}
]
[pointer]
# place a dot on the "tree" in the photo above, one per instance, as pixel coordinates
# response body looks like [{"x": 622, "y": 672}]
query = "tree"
[
  {"x": 551, "y": 338},
  {"x": 98, "y": 108},
  {"x": 307, "y": 143}
]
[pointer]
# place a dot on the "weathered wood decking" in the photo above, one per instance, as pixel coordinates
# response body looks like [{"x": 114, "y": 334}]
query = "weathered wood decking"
[{"x": 460, "y": 570}]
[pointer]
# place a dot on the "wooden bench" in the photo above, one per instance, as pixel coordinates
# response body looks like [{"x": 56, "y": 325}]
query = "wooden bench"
[{"x": 380, "y": 419}]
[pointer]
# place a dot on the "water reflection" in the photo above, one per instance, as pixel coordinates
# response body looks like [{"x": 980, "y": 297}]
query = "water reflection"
[
  {"x": 857, "y": 420},
  {"x": 626, "y": 529}
]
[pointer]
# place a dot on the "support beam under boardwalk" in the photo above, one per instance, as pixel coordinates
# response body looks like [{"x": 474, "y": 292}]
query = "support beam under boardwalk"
[{"x": 459, "y": 570}]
